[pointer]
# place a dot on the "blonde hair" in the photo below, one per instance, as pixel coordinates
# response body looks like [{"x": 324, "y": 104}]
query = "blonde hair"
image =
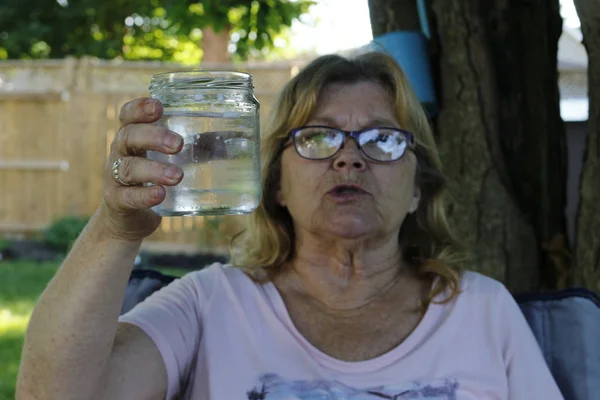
[{"x": 425, "y": 236}]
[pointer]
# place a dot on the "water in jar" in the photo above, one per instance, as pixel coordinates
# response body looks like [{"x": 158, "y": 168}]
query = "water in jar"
[{"x": 220, "y": 162}]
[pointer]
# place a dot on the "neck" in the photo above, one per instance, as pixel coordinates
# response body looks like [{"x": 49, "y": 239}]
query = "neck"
[{"x": 344, "y": 275}]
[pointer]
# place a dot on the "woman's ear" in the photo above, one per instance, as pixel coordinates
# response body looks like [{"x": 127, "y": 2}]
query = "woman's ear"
[
  {"x": 414, "y": 203},
  {"x": 279, "y": 198}
]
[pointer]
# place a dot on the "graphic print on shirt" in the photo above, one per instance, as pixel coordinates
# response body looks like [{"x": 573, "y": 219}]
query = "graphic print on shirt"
[{"x": 274, "y": 387}]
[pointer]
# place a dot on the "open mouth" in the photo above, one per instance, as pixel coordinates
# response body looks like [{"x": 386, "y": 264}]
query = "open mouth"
[{"x": 345, "y": 190}]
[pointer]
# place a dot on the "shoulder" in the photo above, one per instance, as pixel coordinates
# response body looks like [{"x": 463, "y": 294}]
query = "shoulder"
[
  {"x": 490, "y": 299},
  {"x": 480, "y": 292},
  {"x": 475, "y": 283},
  {"x": 217, "y": 271},
  {"x": 218, "y": 276},
  {"x": 213, "y": 271}
]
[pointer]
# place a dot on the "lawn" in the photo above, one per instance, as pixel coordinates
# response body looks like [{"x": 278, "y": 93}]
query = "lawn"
[{"x": 21, "y": 283}]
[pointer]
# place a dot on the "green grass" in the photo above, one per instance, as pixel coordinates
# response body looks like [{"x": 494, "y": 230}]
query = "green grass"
[
  {"x": 173, "y": 271},
  {"x": 21, "y": 283}
]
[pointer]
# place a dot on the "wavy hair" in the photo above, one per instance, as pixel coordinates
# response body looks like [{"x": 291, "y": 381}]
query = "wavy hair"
[{"x": 425, "y": 237}]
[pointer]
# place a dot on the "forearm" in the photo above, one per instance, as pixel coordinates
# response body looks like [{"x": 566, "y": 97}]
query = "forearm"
[{"x": 73, "y": 326}]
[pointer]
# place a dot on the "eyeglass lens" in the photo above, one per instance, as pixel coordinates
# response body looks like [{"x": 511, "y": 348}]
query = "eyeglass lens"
[{"x": 381, "y": 144}]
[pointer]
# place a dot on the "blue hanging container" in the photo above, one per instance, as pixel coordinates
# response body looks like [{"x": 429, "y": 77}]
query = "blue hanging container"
[{"x": 409, "y": 49}]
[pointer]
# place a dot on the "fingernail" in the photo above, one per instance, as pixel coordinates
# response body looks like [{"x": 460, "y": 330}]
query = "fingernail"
[
  {"x": 157, "y": 193},
  {"x": 150, "y": 108},
  {"x": 173, "y": 140},
  {"x": 173, "y": 172}
]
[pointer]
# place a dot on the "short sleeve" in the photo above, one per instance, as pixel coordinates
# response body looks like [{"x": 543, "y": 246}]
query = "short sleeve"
[
  {"x": 172, "y": 318},
  {"x": 528, "y": 374}
]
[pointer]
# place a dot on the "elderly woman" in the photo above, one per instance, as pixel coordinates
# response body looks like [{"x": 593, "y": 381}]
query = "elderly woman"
[{"x": 346, "y": 285}]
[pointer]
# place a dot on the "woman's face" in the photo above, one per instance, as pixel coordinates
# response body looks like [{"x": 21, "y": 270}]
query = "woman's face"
[{"x": 388, "y": 189}]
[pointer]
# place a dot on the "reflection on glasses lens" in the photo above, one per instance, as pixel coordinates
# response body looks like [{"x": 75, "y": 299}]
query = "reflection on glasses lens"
[
  {"x": 383, "y": 144},
  {"x": 318, "y": 143},
  {"x": 380, "y": 144}
]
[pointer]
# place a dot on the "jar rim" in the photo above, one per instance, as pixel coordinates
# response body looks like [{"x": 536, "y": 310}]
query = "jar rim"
[
  {"x": 171, "y": 76},
  {"x": 201, "y": 79}
]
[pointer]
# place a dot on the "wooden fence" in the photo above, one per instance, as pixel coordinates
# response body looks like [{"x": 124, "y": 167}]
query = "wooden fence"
[{"x": 57, "y": 119}]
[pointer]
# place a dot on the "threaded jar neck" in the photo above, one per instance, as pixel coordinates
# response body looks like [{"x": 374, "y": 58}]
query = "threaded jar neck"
[{"x": 198, "y": 80}]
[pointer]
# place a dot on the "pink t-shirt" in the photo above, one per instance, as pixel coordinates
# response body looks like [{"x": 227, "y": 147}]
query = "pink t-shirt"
[{"x": 224, "y": 337}]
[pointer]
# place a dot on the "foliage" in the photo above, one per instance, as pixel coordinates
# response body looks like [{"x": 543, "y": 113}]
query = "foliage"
[
  {"x": 212, "y": 232},
  {"x": 62, "y": 233},
  {"x": 136, "y": 29},
  {"x": 4, "y": 244}
]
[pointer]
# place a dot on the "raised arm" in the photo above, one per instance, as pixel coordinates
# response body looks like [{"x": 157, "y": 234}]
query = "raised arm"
[{"x": 73, "y": 347}]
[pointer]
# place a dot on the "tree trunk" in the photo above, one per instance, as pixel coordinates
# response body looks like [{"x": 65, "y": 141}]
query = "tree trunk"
[
  {"x": 532, "y": 134},
  {"x": 214, "y": 45},
  {"x": 393, "y": 15},
  {"x": 503, "y": 149},
  {"x": 587, "y": 250},
  {"x": 484, "y": 212}
]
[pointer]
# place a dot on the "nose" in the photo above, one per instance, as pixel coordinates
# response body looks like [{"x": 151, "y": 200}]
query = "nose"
[{"x": 349, "y": 157}]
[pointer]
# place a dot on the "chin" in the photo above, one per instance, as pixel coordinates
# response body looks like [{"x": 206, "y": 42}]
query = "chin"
[{"x": 351, "y": 228}]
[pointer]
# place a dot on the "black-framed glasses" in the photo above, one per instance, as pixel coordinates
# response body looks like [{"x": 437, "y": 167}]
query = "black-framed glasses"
[{"x": 383, "y": 144}]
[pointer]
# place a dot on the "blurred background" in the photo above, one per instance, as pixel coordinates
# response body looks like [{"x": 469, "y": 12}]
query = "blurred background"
[{"x": 509, "y": 100}]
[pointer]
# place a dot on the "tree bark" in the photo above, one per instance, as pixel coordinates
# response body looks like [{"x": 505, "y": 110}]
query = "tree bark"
[
  {"x": 503, "y": 149},
  {"x": 214, "y": 45},
  {"x": 484, "y": 212},
  {"x": 393, "y": 15},
  {"x": 587, "y": 249},
  {"x": 523, "y": 38}
]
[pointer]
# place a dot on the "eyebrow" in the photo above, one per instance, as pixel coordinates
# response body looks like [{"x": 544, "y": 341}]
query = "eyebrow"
[{"x": 377, "y": 121}]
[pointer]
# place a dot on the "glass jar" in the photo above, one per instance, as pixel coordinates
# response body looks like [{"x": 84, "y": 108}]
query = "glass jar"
[{"x": 217, "y": 115}]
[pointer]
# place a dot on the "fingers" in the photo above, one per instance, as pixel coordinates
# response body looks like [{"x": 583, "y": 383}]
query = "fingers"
[
  {"x": 136, "y": 138},
  {"x": 137, "y": 135},
  {"x": 134, "y": 198},
  {"x": 140, "y": 110},
  {"x": 138, "y": 170}
]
